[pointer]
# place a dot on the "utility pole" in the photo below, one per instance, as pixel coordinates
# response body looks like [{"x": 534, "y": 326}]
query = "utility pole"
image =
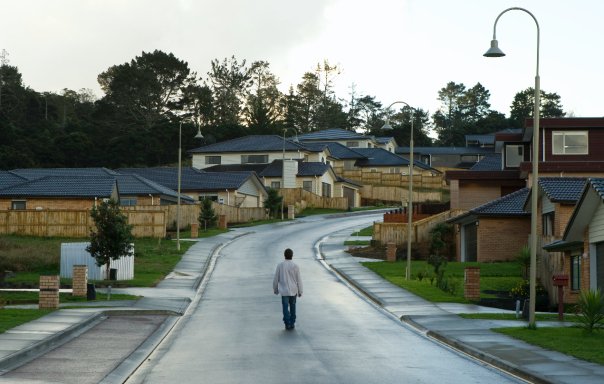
[{"x": 3, "y": 62}]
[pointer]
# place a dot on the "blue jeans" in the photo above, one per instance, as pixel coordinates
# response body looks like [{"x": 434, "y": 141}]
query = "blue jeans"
[{"x": 289, "y": 309}]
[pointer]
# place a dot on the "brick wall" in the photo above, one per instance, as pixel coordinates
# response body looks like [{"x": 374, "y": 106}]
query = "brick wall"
[
  {"x": 472, "y": 283},
  {"x": 80, "y": 280},
  {"x": 475, "y": 194},
  {"x": 561, "y": 218},
  {"x": 34, "y": 203},
  {"x": 500, "y": 239},
  {"x": 49, "y": 292}
]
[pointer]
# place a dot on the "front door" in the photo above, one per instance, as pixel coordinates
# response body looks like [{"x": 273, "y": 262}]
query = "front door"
[
  {"x": 470, "y": 242},
  {"x": 349, "y": 194},
  {"x": 600, "y": 266}
]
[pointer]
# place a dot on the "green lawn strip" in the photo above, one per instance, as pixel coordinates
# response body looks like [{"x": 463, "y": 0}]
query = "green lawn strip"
[
  {"x": 357, "y": 242},
  {"x": 493, "y": 277},
  {"x": 255, "y": 223},
  {"x": 320, "y": 211},
  {"x": 512, "y": 316},
  {"x": 572, "y": 341},
  {"x": 368, "y": 231},
  {"x": 18, "y": 298},
  {"x": 10, "y": 318}
]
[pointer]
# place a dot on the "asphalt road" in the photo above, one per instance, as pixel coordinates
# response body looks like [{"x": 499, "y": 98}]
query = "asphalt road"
[{"x": 234, "y": 333}]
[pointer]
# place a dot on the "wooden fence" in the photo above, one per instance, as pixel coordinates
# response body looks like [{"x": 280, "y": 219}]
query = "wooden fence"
[
  {"x": 301, "y": 199},
  {"x": 190, "y": 214},
  {"x": 76, "y": 223},
  {"x": 397, "y": 232},
  {"x": 397, "y": 194},
  {"x": 422, "y": 180}
]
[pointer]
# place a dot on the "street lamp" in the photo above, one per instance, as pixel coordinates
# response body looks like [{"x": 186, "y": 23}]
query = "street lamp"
[
  {"x": 494, "y": 51},
  {"x": 283, "y": 162},
  {"x": 197, "y": 136},
  {"x": 410, "y": 198}
]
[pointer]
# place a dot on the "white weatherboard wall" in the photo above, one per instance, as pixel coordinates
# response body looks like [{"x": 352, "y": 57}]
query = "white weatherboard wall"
[
  {"x": 76, "y": 254},
  {"x": 290, "y": 170}
]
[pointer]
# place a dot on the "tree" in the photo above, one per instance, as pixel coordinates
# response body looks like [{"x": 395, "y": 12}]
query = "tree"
[
  {"x": 523, "y": 106},
  {"x": 273, "y": 202},
  {"x": 401, "y": 127},
  {"x": 112, "y": 236},
  {"x": 229, "y": 81},
  {"x": 149, "y": 88},
  {"x": 207, "y": 216},
  {"x": 264, "y": 105}
]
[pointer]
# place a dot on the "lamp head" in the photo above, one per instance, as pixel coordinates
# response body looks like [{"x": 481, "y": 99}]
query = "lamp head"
[
  {"x": 199, "y": 135},
  {"x": 494, "y": 51},
  {"x": 387, "y": 126}
]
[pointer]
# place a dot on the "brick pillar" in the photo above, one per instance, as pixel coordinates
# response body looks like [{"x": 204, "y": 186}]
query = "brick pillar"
[
  {"x": 222, "y": 222},
  {"x": 49, "y": 292},
  {"x": 291, "y": 214},
  {"x": 194, "y": 230},
  {"x": 79, "y": 280},
  {"x": 472, "y": 283},
  {"x": 391, "y": 252}
]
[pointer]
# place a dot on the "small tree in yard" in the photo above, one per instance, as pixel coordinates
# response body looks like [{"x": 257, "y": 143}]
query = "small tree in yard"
[
  {"x": 112, "y": 235},
  {"x": 207, "y": 216},
  {"x": 273, "y": 201}
]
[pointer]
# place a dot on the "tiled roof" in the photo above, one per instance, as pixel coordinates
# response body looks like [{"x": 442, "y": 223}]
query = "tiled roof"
[
  {"x": 349, "y": 181},
  {"x": 482, "y": 139},
  {"x": 383, "y": 140},
  {"x": 8, "y": 179},
  {"x": 191, "y": 179},
  {"x": 138, "y": 185},
  {"x": 36, "y": 173},
  {"x": 333, "y": 134},
  {"x": 253, "y": 143},
  {"x": 446, "y": 150},
  {"x": 379, "y": 157},
  {"x": 236, "y": 168},
  {"x": 63, "y": 186},
  {"x": 562, "y": 189},
  {"x": 275, "y": 169},
  {"x": 491, "y": 162},
  {"x": 338, "y": 150},
  {"x": 508, "y": 205},
  {"x": 598, "y": 185}
]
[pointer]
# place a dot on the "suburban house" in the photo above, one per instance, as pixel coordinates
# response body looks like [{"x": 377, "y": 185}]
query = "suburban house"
[
  {"x": 446, "y": 158},
  {"x": 349, "y": 139},
  {"x": 241, "y": 189},
  {"x": 59, "y": 192},
  {"x": 582, "y": 244}
]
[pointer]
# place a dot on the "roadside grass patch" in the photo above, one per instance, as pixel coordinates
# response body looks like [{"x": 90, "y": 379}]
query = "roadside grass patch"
[
  {"x": 572, "y": 341},
  {"x": 356, "y": 242},
  {"x": 494, "y": 277},
  {"x": 10, "y": 318},
  {"x": 368, "y": 231},
  {"x": 512, "y": 316},
  {"x": 18, "y": 298}
]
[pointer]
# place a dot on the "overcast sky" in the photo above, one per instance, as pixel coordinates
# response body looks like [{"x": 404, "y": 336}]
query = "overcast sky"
[{"x": 391, "y": 49}]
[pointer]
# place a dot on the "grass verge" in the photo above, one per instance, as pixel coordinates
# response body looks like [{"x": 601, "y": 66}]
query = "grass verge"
[
  {"x": 512, "y": 316},
  {"x": 18, "y": 298},
  {"x": 356, "y": 242},
  {"x": 10, "y": 318},
  {"x": 572, "y": 341},
  {"x": 368, "y": 231}
]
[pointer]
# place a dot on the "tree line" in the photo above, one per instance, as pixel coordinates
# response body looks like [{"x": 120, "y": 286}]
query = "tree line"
[{"x": 135, "y": 122}]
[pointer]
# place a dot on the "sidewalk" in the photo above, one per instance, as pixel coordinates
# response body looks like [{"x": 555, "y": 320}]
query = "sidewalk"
[
  {"x": 473, "y": 337},
  {"x": 172, "y": 296}
]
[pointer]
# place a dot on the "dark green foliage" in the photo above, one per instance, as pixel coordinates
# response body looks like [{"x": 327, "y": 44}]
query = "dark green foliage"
[
  {"x": 590, "y": 309},
  {"x": 273, "y": 202},
  {"x": 207, "y": 216},
  {"x": 523, "y": 106},
  {"x": 112, "y": 236}
]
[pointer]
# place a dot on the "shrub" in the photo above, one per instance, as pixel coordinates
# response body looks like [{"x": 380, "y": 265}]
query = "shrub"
[
  {"x": 590, "y": 309},
  {"x": 521, "y": 290},
  {"x": 523, "y": 257},
  {"x": 207, "y": 216}
]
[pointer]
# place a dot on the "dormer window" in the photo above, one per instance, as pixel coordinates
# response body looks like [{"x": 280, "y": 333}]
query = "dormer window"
[
  {"x": 514, "y": 155},
  {"x": 570, "y": 143}
]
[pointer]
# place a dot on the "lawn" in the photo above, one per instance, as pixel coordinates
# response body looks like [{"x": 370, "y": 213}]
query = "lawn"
[
  {"x": 368, "y": 231},
  {"x": 568, "y": 340},
  {"x": 493, "y": 277},
  {"x": 10, "y": 318},
  {"x": 512, "y": 316},
  {"x": 18, "y": 298}
]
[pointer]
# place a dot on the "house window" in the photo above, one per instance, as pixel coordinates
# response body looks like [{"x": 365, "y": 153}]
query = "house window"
[
  {"x": 349, "y": 165},
  {"x": 275, "y": 184},
  {"x": 326, "y": 190},
  {"x": 575, "y": 271},
  {"x": 352, "y": 144},
  {"x": 254, "y": 159},
  {"x": 514, "y": 155},
  {"x": 213, "y": 159},
  {"x": 548, "y": 224},
  {"x": 570, "y": 143},
  {"x": 307, "y": 186},
  {"x": 18, "y": 204},
  {"x": 127, "y": 201},
  {"x": 210, "y": 197}
]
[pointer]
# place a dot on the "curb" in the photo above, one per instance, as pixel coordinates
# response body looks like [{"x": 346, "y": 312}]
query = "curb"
[{"x": 55, "y": 340}]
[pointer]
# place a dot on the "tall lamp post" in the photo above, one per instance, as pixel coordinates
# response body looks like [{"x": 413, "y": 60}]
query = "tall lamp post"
[
  {"x": 197, "y": 136},
  {"x": 494, "y": 51},
  {"x": 410, "y": 198},
  {"x": 283, "y": 162}
]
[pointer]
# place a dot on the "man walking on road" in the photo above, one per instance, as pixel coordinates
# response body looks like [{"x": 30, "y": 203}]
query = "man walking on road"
[{"x": 288, "y": 283}]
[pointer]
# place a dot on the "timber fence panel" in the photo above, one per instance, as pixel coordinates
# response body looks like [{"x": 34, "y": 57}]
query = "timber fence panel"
[
  {"x": 397, "y": 232},
  {"x": 302, "y": 198}
]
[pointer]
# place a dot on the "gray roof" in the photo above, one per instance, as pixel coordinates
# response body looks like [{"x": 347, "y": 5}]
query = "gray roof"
[
  {"x": 337, "y": 150},
  {"x": 8, "y": 178},
  {"x": 253, "y": 143},
  {"x": 482, "y": 139},
  {"x": 379, "y": 157},
  {"x": 563, "y": 189},
  {"x": 333, "y": 134},
  {"x": 137, "y": 185},
  {"x": 598, "y": 185},
  {"x": 508, "y": 205},
  {"x": 491, "y": 162},
  {"x": 275, "y": 169},
  {"x": 191, "y": 179},
  {"x": 36, "y": 173},
  {"x": 383, "y": 140},
  {"x": 63, "y": 186},
  {"x": 236, "y": 168},
  {"x": 446, "y": 150}
]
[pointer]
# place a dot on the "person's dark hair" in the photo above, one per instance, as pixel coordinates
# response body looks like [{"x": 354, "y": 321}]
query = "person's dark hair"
[{"x": 288, "y": 254}]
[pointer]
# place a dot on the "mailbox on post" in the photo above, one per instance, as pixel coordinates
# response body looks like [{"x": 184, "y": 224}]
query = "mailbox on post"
[{"x": 560, "y": 281}]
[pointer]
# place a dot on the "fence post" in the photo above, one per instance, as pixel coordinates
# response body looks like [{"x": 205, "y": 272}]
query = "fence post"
[
  {"x": 194, "y": 230},
  {"x": 79, "y": 280},
  {"x": 472, "y": 283},
  {"x": 49, "y": 292}
]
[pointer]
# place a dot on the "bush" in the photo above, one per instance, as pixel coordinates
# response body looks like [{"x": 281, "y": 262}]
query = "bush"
[
  {"x": 207, "y": 217},
  {"x": 523, "y": 257},
  {"x": 521, "y": 290},
  {"x": 590, "y": 310}
]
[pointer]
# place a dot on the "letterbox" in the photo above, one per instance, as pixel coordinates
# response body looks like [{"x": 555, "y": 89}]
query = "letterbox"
[{"x": 560, "y": 280}]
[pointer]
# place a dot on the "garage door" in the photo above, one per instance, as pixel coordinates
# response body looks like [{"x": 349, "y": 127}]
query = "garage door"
[{"x": 349, "y": 193}]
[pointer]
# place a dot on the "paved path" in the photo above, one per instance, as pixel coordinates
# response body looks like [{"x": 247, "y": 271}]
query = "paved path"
[{"x": 437, "y": 321}]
